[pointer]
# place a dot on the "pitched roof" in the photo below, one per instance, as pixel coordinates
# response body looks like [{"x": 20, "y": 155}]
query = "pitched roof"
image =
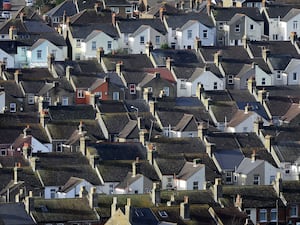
[
  {"x": 15, "y": 214},
  {"x": 225, "y": 14},
  {"x": 229, "y": 159},
  {"x": 187, "y": 123},
  {"x": 247, "y": 165},
  {"x": 179, "y": 57},
  {"x": 55, "y": 169},
  {"x": 177, "y": 21},
  {"x": 89, "y": 31},
  {"x": 63, "y": 210},
  {"x": 119, "y": 151},
  {"x": 89, "y": 16},
  {"x": 169, "y": 166},
  {"x": 72, "y": 182},
  {"x": 188, "y": 170},
  {"x": 164, "y": 73},
  {"x": 71, "y": 113},
  {"x": 66, "y": 7},
  {"x": 131, "y": 25}
]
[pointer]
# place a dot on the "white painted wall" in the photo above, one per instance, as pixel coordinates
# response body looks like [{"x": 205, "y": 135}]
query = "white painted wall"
[
  {"x": 207, "y": 78},
  {"x": 2, "y": 102},
  {"x": 38, "y": 146},
  {"x": 10, "y": 62}
]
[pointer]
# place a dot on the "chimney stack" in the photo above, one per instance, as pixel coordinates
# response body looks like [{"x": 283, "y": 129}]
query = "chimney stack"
[
  {"x": 202, "y": 130},
  {"x": 113, "y": 206},
  {"x": 127, "y": 208},
  {"x": 34, "y": 162},
  {"x": 83, "y": 192},
  {"x": 251, "y": 84},
  {"x": 210, "y": 147},
  {"x": 29, "y": 203},
  {"x": 18, "y": 76},
  {"x": 218, "y": 58},
  {"x": 217, "y": 189},
  {"x": 148, "y": 48},
  {"x": 69, "y": 70},
  {"x": 197, "y": 43},
  {"x": 93, "y": 198},
  {"x": 13, "y": 33},
  {"x": 136, "y": 167},
  {"x": 100, "y": 54},
  {"x": 258, "y": 125},
  {"x": 155, "y": 194},
  {"x": 113, "y": 19},
  {"x": 185, "y": 209},
  {"x": 119, "y": 68},
  {"x": 278, "y": 184},
  {"x": 151, "y": 153},
  {"x": 253, "y": 156},
  {"x": 50, "y": 61},
  {"x": 169, "y": 63}
]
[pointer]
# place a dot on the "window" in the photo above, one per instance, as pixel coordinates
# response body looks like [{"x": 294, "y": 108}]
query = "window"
[
  {"x": 114, "y": 9},
  {"x": 256, "y": 179},
  {"x": 77, "y": 56},
  {"x": 230, "y": 79},
  {"x": 59, "y": 147},
  {"x": 157, "y": 40},
  {"x": 169, "y": 182},
  {"x": 221, "y": 26},
  {"x": 65, "y": 100},
  {"x": 132, "y": 90},
  {"x": 189, "y": 34},
  {"x": 237, "y": 28},
  {"x": 272, "y": 178},
  {"x": 275, "y": 36},
  {"x": 251, "y": 27},
  {"x": 12, "y": 107},
  {"x": 150, "y": 89},
  {"x": 183, "y": 84},
  {"x": 98, "y": 95},
  {"x": 166, "y": 91},
  {"x": 116, "y": 95},
  {"x": 205, "y": 34},
  {"x": 273, "y": 215},
  {"x": 52, "y": 193},
  {"x": 294, "y": 211},
  {"x": 278, "y": 75},
  {"x": 80, "y": 94},
  {"x": 111, "y": 189},
  {"x": 215, "y": 85},
  {"x": 262, "y": 215},
  {"x": 39, "y": 54},
  {"x": 30, "y": 99},
  {"x": 228, "y": 177},
  {"x": 54, "y": 51},
  {"x": 23, "y": 51},
  {"x": 295, "y": 77},
  {"x": 142, "y": 40},
  {"x": 263, "y": 81},
  {"x": 295, "y": 24},
  {"x": 109, "y": 45},
  {"x": 78, "y": 43},
  {"x": 94, "y": 47},
  {"x": 128, "y": 10},
  {"x": 195, "y": 185}
]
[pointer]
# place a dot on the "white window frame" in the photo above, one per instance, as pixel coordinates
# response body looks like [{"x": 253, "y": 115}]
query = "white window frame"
[
  {"x": 237, "y": 28},
  {"x": 228, "y": 177},
  {"x": 263, "y": 81},
  {"x": 157, "y": 40},
  {"x": 109, "y": 45},
  {"x": 295, "y": 76},
  {"x": 39, "y": 54},
  {"x": 94, "y": 45},
  {"x": 189, "y": 34},
  {"x": 183, "y": 84},
  {"x": 80, "y": 93},
  {"x": 142, "y": 40},
  {"x": 132, "y": 89},
  {"x": 230, "y": 79},
  {"x": 273, "y": 213},
  {"x": 115, "y": 9},
  {"x": 205, "y": 34},
  {"x": 116, "y": 95},
  {"x": 263, "y": 212},
  {"x": 52, "y": 193},
  {"x": 64, "y": 100},
  {"x": 166, "y": 91},
  {"x": 195, "y": 185},
  {"x": 295, "y": 24},
  {"x": 294, "y": 211},
  {"x": 256, "y": 179},
  {"x": 251, "y": 27},
  {"x": 278, "y": 75},
  {"x": 30, "y": 99},
  {"x": 215, "y": 86},
  {"x": 221, "y": 26},
  {"x": 13, "y": 107},
  {"x": 128, "y": 10},
  {"x": 78, "y": 43}
]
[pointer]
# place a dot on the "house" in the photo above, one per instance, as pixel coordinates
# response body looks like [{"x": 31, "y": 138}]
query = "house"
[
  {"x": 281, "y": 22},
  {"x": 31, "y": 35},
  {"x": 185, "y": 29},
  {"x": 55, "y": 170},
  {"x": 262, "y": 203},
  {"x": 8, "y": 51},
  {"x": 252, "y": 171},
  {"x": 135, "y": 34},
  {"x": 38, "y": 53},
  {"x": 75, "y": 210},
  {"x": 123, "y": 9},
  {"x": 242, "y": 27},
  {"x": 99, "y": 31},
  {"x": 59, "y": 13},
  {"x": 157, "y": 86},
  {"x": 130, "y": 68},
  {"x": 223, "y": 15},
  {"x": 12, "y": 97},
  {"x": 291, "y": 72},
  {"x": 243, "y": 3}
]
